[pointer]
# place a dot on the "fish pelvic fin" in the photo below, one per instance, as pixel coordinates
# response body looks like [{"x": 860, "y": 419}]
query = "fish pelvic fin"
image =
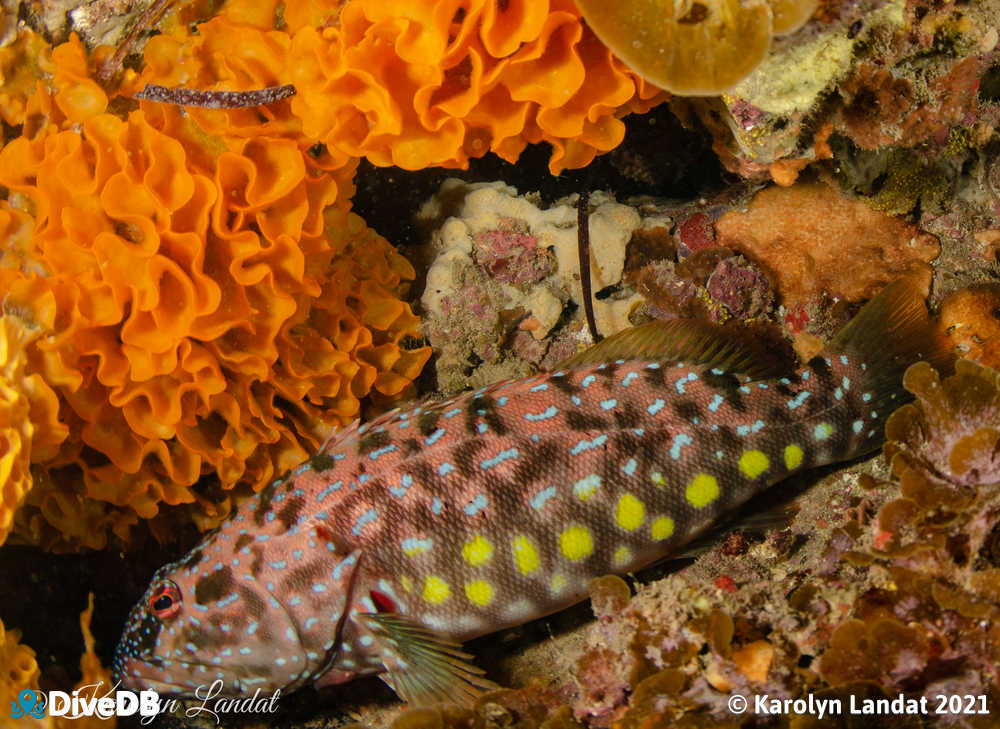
[
  {"x": 422, "y": 668},
  {"x": 891, "y": 332}
]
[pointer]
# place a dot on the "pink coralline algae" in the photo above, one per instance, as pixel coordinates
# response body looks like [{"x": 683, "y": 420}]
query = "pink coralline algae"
[{"x": 511, "y": 254}]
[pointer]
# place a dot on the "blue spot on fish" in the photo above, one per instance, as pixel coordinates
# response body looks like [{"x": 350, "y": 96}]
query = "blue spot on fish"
[
  {"x": 539, "y": 499},
  {"x": 656, "y": 407},
  {"x": 866, "y": 397},
  {"x": 576, "y": 400},
  {"x": 482, "y": 428},
  {"x": 608, "y": 404},
  {"x": 344, "y": 563},
  {"x": 843, "y": 359},
  {"x": 586, "y": 445},
  {"x": 838, "y": 394},
  {"x": 328, "y": 490},
  {"x": 445, "y": 468},
  {"x": 453, "y": 412},
  {"x": 689, "y": 377},
  {"x": 476, "y": 505},
  {"x": 627, "y": 379},
  {"x": 717, "y": 400},
  {"x": 404, "y": 484},
  {"x": 629, "y": 467},
  {"x": 539, "y": 388},
  {"x": 550, "y": 412},
  {"x": 501, "y": 401},
  {"x": 376, "y": 454},
  {"x": 857, "y": 426},
  {"x": 436, "y": 505},
  {"x": 587, "y": 381},
  {"x": 680, "y": 440},
  {"x": 500, "y": 457},
  {"x": 366, "y": 518},
  {"x": 415, "y": 545},
  {"x": 434, "y": 437},
  {"x": 798, "y": 400}
]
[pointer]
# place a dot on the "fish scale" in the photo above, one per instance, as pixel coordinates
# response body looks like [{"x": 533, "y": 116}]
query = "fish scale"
[{"x": 447, "y": 520}]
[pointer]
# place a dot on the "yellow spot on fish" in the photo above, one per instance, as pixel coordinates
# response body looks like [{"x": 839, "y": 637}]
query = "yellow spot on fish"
[
  {"x": 753, "y": 463},
  {"x": 629, "y": 513},
  {"x": 525, "y": 554},
  {"x": 622, "y": 556},
  {"x": 822, "y": 431},
  {"x": 793, "y": 457},
  {"x": 407, "y": 583},
  {"x": 587, "y": 486},
  {"x": 657, "y": 478},
  {"x": 479, "y": 592},
  {"x": 558, "y": 582},
  {"x": 576, "y": 543},
  {"x": 477, "y": 551},
  {"x": 663, "y": 528},
  {"x": 702, "y": 490},
  {"x": 436, "y": 590}
]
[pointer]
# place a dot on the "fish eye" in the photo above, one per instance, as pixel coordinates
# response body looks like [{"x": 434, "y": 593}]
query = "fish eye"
[{"x": 165, "y": 601}]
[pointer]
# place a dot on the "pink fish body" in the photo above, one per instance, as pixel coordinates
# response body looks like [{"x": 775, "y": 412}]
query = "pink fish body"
[{"x": 444, "y": 521}]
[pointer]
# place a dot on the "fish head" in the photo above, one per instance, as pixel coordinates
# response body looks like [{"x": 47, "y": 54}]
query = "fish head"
[{"x": 255, "y": 605}]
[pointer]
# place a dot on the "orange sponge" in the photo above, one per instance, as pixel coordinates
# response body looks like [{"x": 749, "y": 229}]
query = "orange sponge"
[
  {"x": 212, "y": 316},
  {"x": 424, "y": 83}
]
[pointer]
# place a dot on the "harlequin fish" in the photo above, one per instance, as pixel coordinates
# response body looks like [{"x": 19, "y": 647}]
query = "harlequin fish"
[{"x": 448, "y": 520}]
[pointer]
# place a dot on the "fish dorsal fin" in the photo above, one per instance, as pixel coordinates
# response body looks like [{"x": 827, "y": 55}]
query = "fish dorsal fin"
[
  {"x": 735, "y": 350},
  {"x": 422, "y": 668}
]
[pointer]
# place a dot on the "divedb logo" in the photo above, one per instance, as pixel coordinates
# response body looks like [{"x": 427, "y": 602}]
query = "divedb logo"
[{"x": 85, "y": 701}]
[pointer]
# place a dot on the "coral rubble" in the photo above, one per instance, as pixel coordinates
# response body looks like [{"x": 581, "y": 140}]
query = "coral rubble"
[{"x": 503, "y": 275}]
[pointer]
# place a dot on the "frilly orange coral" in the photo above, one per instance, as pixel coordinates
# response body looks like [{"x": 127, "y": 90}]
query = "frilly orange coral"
[
  {"x": 422, "y": 83},
  {"x": 413, "y": 84},
  {"x": 18, "y": 671},
  {"x": 21, "y": 63},
  {"x": 28, "y": 418},
  {"x": 207, "y": 316}
]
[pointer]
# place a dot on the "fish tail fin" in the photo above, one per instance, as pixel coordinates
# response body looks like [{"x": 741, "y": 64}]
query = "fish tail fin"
[{"x": 890, "y": 333}]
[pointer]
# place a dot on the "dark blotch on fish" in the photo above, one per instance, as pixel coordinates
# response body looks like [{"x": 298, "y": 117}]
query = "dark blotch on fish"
[
  {"x": 213, "y": 587},
  {"x": 373, "y": 441},
  {"x": 252, "y": 603},
  {"x": 264, "y": 505},
  {"x": 291, "y": 511},
  {"x": 321, "y": 462},
  {"x": 427, "y": 422},
  {"x": 583, "y": 421}
]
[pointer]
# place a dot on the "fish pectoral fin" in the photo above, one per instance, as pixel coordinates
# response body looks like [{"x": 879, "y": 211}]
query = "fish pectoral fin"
[
  {"x": 737, "y": 350},
  {"x": 422, "y": 668}
]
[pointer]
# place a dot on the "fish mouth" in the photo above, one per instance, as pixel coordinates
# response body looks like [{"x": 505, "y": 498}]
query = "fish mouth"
[{"x": 137, "y": 674}]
